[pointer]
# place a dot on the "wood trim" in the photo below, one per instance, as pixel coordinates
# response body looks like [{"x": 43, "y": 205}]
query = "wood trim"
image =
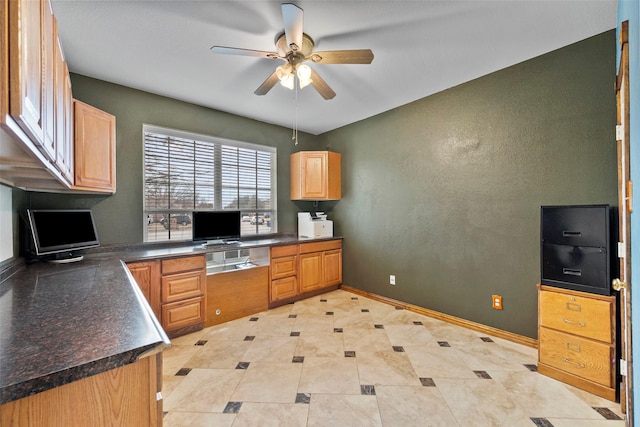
[
  {"x": 499, "y": 333},
  {"x": 579, "y": 382}
]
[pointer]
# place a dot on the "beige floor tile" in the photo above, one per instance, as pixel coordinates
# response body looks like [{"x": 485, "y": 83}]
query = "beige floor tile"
[
  {"x": 543, "y": 397},
  {"x": 219, "y": 355},
  {"x": 330, "y": 375},
  {"x": 273, "y": 326},
  {"x": 404, "y": 406},
  {"x": 452, "y": 333},
  {"x": 358, "y": 339},
  {"x": 572, "y": 422},
  {"x": 314, "y": 323},
  {"x": 269, "y": 382},
  {"x": 336, "y": 410},
  {"x": 408, "y": 335},
  {"x": 487, "y": 356},
  {"x": 353, "y": 319},
  {"x": 197, "y": 419},
  {"x": 169, "y": 383},
  {"x": 278, "y": 349},
  {"x": 176, "y": 357},
  {"x": 322, "y": 345},
  {"x": 434, "y": 361},
  {"x": 481, "y": 402},
  {"x": 386, "y": 368},
  {"x": 204, "y": 390},
  {"x": 233, "y": 330},
  {"x": 324, "y": 389},
  {"x": 272, "y": 415}
]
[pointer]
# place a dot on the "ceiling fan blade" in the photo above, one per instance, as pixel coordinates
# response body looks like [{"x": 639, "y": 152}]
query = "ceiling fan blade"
[
  {"x": 321, "y": 86},
  {"x": 293, "y": 17},
  {"x": 267, "y": 85},
  {"x": 358, "y": 56},
  {"x": 244, "y": 52}
]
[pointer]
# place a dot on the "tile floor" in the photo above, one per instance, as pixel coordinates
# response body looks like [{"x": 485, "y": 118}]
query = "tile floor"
[{"x": 341, "y": 359}]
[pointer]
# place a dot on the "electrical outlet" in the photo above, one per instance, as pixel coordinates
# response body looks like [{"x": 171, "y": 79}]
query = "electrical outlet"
[
  {"x": 496, "y": 302},
  {"x": 392, "y": 280}
]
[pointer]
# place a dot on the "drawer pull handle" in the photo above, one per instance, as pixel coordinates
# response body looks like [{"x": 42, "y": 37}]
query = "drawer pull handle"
[
  {"x": 574, "y": 347},
  {"x": 571, "y": 233},
  {"x": 571, "y": 272},
  {"x": 571, "y": 322},
  {"x": 573, "y": 306},
  {"x": 570, "y": 362}
]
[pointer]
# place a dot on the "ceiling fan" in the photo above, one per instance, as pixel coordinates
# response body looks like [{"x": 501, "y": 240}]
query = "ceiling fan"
[{"x": 295, "y": 47}]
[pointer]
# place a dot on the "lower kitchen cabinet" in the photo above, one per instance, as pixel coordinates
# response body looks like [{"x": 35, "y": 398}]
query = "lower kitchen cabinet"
[
  {"x": 147, "y": 276},
  {"x": 237, "y": 293},
  {"x": 299, "y": 271},
  {"x": 124, "y": 396},
  {"x": 175, "y": 289}
]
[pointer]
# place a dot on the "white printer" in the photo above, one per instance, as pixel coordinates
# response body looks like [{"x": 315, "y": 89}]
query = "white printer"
[{"x": 314, "y": 225}]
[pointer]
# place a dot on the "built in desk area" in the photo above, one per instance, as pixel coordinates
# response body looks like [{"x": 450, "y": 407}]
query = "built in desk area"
[{"x": 90, "y": 332}]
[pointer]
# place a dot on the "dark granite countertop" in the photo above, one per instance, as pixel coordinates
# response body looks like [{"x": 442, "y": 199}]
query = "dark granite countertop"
[{"x": 63, "y": 322}]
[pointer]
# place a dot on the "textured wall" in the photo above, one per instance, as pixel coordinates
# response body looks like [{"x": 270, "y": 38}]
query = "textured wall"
[
  {"x": 119, "y": 217},
  {"x": 445, "y": 192}
]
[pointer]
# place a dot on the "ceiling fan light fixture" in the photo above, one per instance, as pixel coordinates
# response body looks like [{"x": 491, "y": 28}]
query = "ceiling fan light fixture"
[
  {"x": 304, "y": 75},
  {"x": 285, "y": 75}
]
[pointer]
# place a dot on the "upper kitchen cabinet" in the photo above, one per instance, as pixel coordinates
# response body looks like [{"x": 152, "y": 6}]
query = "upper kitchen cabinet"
[
  {"x": 38, "y": 148},
  {"x": 95, "y": 148},
  {"x": 315, "y": 175}
]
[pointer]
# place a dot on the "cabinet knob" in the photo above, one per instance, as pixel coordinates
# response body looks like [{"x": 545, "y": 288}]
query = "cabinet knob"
[{"x": 618, "y": 284}]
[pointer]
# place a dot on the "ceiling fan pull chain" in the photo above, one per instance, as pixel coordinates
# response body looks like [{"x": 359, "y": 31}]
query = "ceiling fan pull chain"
[{"x": 295, "y": 129}]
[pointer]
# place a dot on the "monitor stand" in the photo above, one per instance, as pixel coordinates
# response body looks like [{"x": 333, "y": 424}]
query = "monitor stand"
[{"x": 64, "y": 258}]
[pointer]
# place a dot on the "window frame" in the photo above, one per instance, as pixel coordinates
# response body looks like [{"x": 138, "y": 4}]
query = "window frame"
[{"x": 193, "y": 136}]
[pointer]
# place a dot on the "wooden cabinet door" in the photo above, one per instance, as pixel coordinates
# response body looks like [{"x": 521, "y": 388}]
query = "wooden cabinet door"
[
  {"x": 95, "y": 148},
  {"x": 315, "y": 175},
  {"x": 181, "y": 314},
  {"x": 284, "y": 267},
  {"x": 332, "y": 267},
  {"x": 49, "y": 42},
  {"x": 147, "y": 276},
  {"x": 26, "y": 67},
  {"x": 63, "y": 103},
  {"x": 283, "y": 288},
  {"x": 310, "y": 271}
]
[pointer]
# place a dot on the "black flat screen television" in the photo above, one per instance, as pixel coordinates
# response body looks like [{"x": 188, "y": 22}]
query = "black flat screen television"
[
  {"x": 216, "y": 227},
  {"x": 60, "y": 232},
  {"x": 576, "y": 247}
]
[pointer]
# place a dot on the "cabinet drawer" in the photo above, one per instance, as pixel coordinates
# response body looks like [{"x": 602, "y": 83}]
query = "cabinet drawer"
[
  {"x": 284, "y": 267},
  {"x": 184, "y": 313},
  {"x": 585, "y": 358},
  {"x": 587, "y": 317},
  {"x": 180, "y": 286},
  {"x": 283, "y": 288},
  {"x": 176, "y": 265},
  {"x": 306, "y": 248},
  {"x": 280, "y": 251}
]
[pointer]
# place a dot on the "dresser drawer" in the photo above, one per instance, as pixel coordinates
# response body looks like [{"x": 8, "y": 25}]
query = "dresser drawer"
[
  {"x": 180, "y": 286},
  {"x": 183, "y": 313},
  {"x": 587, "y": 317},
  {"x": 280, "y": 251},
  {"x": 176, "y": 265},
  {"x": 582, "y": 357},
  {"x": 284, "y": 267},
  {"x": 328, "y": 245}
]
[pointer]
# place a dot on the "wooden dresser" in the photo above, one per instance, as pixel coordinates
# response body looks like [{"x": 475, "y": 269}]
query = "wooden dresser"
[{"x": 577, "y": 339}]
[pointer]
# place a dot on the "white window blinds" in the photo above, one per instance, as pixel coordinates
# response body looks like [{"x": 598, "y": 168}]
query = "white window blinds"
[{"x": 184, "y": 172}]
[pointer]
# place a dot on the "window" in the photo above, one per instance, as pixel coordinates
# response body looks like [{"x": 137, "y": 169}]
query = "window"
[{"x": 184, "y": 172}]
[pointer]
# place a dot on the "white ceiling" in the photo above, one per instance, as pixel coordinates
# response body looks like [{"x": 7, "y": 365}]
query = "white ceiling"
[{"x": 420, "y": 48}]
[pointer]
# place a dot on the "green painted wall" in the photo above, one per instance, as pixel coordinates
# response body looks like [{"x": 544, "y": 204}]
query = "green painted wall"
[
  {"x": 445, "y": 192},
  {"x": 119, "y": 217}
]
